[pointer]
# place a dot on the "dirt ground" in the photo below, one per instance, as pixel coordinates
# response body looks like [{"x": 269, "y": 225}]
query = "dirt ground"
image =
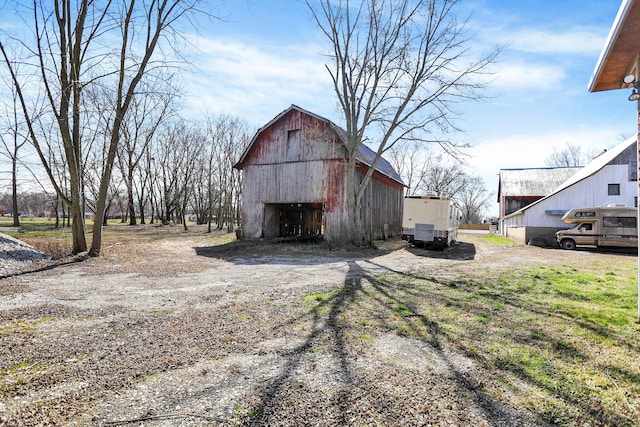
[{"x": 198, "y": 329}]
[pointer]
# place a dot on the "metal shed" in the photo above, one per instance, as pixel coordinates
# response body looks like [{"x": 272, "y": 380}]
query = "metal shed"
[{"x": 294, "y": 182}]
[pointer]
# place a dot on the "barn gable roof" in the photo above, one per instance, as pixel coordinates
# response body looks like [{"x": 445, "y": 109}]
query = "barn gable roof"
[
  {"x": 590, "y": 169},
  {"x": 532, "y": 182},
  {"x": 365, "y": 155}
]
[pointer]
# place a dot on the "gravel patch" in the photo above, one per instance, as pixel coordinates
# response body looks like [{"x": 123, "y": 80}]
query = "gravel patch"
[{"x": 17, "y": 256}]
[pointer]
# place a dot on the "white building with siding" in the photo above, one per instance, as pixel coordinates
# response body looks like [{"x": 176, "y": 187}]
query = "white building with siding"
[{"x": 609, "y": 178}]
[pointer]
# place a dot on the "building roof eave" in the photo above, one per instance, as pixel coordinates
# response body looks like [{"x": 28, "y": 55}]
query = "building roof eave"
[{"x": 620, "y": 52}]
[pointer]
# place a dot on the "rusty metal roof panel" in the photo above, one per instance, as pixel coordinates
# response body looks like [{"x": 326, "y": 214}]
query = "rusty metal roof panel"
[
  {"x": 367, "y": 155},
  {"x": 533, "y": 182}
]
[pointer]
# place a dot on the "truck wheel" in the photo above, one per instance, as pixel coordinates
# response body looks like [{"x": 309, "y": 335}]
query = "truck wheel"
[{"x": 568, "y": 244}]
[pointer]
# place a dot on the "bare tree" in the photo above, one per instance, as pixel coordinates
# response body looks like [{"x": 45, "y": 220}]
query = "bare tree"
[
  {"x": 55, "y": 155},
  {"x": 229, "y": 136},
  {"x": 570, "y": 155},
  {"x": 192, "y": 143},
  {"x": 13, "y": 138},
  {"x": 408, "y": 160},
  {"x": 398, "y": 68},
  {"x": 473, "y": 200},
  {"x": 179, "y": 147},
  {"x": 426, "y": 171},
  {"x": 443, "y": 175},
  {"x": 148, "y": 113},
  {"x": 72, "y": 43},
  {"x": 145, "y": 183}
]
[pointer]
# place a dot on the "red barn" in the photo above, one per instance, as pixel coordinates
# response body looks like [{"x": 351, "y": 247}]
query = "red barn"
[{"x": 294, "y": 182}]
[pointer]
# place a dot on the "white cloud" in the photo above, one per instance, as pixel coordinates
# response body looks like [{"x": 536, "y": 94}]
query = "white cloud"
[
  {"x": 526, "y": 76},
  {"x": 256, "y": 82},
  {"x": 530, "y": 151},
  {"x": 574, "y": 41}
]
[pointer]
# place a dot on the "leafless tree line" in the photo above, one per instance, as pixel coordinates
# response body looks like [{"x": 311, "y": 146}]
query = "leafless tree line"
[
  {"x": 166, "y": 167},
  {"x": 570, "y": 155},
  {"x": 80, "y": 72},
  {"x": 169, "y": 170}
]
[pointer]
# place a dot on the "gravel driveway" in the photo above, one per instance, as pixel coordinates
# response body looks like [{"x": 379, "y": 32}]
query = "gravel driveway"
[{"x": 183, "y": 332}]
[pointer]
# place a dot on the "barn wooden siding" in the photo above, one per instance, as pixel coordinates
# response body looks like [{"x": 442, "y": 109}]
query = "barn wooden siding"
[
  {"x": 300, "y": 159},
  {"x": 381, "y": 206}
]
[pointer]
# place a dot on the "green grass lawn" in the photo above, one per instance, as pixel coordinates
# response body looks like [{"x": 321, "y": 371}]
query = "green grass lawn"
[
  {"x": 57, "y": 242},
  {"x": 36, "y": 227},
  {"x": 31, "y": 225}
]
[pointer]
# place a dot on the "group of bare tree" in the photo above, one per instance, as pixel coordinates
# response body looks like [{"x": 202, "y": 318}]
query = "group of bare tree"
[
  {"x": 570, "y": 155},
  {"x": 398, "y": 69},
  {"x": 94, "y": 83},
  {"x": 167, "y": 170},
  {"x": 190, "y": 171},
  {"x": 95, "y": 95},
  {"x": 88, "y": 78}
]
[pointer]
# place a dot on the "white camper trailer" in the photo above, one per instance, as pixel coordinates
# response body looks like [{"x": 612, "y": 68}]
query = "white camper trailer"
[{"x": 430, "y": 220}]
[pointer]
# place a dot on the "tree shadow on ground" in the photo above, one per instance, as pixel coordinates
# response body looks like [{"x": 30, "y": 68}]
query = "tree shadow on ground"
[
  {"x": 257, "y": 249},
  {"x": 604, "y": 250},
  {"x": 50, "y": 265},
  {"x": 457, "y": 251},
  {"x": 399, "y": 307},
  {"x": 467, "y": 296},
  {"x": 393, "y": 308},
  {"x": 264, "y": 251}
]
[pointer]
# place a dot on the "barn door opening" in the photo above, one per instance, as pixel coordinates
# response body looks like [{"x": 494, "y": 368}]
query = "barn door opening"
[{"x": 294, "y": 221}]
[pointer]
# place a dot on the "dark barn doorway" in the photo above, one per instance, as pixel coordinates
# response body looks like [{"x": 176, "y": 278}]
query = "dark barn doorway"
[{"x": 293, "y": 220}]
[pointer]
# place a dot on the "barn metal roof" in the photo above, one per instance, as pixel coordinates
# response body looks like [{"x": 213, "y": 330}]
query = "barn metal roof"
[
  {"x": 532, "y": 182},
  {"x": 365, "y": 155},
  {"x": 596, "y": 164}
]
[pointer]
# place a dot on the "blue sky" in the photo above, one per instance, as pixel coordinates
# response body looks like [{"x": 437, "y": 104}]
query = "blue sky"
[{"x": 267, "y": 55}]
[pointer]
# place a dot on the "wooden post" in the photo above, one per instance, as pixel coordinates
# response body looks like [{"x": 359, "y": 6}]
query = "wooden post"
[{"x": 638, "y": 177}]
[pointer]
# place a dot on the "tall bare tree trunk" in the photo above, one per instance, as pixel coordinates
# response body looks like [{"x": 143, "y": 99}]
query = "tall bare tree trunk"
[{"x": 397, "y": 68}]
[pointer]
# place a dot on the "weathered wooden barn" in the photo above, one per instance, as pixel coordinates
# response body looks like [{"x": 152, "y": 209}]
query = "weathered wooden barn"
[{"x": 294, "y": 182}]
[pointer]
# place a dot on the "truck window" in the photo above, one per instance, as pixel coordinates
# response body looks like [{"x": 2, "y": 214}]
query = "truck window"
[
  {"x": 619, "y": 221},
  {"x": 585, "y": 227},
  {"x": 582, "y": 214}
]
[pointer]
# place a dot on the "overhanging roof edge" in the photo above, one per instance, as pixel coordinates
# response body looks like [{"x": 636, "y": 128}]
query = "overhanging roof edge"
[{"x": 611, "y": 38}]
